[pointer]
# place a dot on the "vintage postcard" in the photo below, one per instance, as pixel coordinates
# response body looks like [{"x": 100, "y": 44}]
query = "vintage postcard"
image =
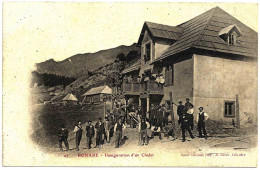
[{"x": 130, "y": 84}]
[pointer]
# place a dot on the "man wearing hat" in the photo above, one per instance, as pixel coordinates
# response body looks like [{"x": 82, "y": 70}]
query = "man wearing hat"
[
  {"x": 63, "y": 134},
  {"x": 142, "y": 129},
  {"x": 118, "y": 129},
  {"x": 153, "y": 114},
  {"x": 188, "y": 108},
  {"x": 90, "y": 132},
  {"x": 180, "y": 111},
  {"x": 201, "y": 118},
  {"x": 187, "y": 105},
  {"x": 185, "y": 125},
  {"x": 78, "y": 131},
  {"x": 100, "y": 131}
]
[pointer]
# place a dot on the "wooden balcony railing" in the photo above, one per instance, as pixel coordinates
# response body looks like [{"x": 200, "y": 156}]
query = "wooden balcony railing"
[{"x": 151, "y": 87}]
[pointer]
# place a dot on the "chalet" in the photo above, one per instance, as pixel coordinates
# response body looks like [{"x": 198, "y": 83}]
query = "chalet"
[
  {"x": 97, "y": 94},
  {"x": 211, "y": 59}
]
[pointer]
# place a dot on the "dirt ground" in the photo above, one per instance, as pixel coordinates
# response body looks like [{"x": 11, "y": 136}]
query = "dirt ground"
[
  {"x": 130, "y": 142},
  {"x": 47, "y": 119}
]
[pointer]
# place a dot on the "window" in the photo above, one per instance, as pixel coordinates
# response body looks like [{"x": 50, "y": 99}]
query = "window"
[
  {"x": 169, "y": 75},
  {"x": 229, "y": 109},
  {"x": 147, "y": 56},
  {"x": 231, "y": 39}
]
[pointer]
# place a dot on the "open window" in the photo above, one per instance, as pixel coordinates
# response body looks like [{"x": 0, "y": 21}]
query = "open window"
[{"x": 230, "y": 34}]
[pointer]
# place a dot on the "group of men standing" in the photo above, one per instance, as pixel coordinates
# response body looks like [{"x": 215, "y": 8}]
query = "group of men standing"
[
  {"x": 102, "y": 131},
  {"x": 186, "y": 119},
  {"x": 157, "y": 120}
]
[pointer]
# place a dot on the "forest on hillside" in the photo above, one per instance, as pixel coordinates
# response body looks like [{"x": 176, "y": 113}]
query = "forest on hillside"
[{"x": 50, "y": 80}]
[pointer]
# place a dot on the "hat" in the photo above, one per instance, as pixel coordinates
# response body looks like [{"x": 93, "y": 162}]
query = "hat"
[
  {"x": 90, "y": 121},
  {"x": 201, "y": 108},
  {"x": 100, "y": 118},
  {"x": 187, "y": 99},
  {"x": 180, "y": 101}
]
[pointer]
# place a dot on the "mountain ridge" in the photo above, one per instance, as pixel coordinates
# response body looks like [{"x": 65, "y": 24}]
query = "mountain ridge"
[{"x": 80, "y": 64}]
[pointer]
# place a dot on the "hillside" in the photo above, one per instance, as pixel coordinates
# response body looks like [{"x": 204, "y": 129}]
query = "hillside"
[{"x": 80, "y": 64}]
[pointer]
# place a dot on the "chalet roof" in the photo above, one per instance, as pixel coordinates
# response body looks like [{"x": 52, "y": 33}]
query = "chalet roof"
[
  {"x": 98, "y": 90},
  {"x": 70, "y": 97},
  {"x": 135, "y": 65},
  {"x": 160, "y": 31},
  {"x": 202, "y": 32}
]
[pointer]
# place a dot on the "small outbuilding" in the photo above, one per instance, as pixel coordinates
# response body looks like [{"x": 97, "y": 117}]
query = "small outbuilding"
[
  {"x": 98, "y": 95},
  {"x": 70, "y": 99}
]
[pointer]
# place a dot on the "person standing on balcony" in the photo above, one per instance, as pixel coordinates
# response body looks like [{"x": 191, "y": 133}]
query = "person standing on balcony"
[
  {"x": 130, "y": 79},
  {"x": 139, "y": 79},
  {"x": 161, "y": 80},
  {"x": 125, "y": 79}
]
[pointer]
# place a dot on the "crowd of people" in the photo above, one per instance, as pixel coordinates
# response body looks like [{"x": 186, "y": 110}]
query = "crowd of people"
[
  {"x": 157, "y": 120},
  {"x": 159, "y": 78}
]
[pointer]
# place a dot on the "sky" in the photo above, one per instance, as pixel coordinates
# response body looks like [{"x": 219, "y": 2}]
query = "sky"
[{"x": 37, "y": 31}]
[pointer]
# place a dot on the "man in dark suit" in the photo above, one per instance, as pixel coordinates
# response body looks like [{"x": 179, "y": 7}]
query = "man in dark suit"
[
  {"x": 90, "y": 132},
  {"x": 100, "y": 131},
  {"x": 185, "y": 125},
  {"x": 153, "y": 114},
  {"x": 180, "y": 111},
  {"x": 63, "y": 134}
]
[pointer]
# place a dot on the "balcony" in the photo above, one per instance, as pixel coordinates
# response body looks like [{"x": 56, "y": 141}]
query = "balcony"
[
  {"x": 131, "y": 88},
  {"x": 152, "y": 87}
]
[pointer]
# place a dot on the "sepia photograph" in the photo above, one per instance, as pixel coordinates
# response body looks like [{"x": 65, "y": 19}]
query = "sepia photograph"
[{"x": 147, "y": 84}]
